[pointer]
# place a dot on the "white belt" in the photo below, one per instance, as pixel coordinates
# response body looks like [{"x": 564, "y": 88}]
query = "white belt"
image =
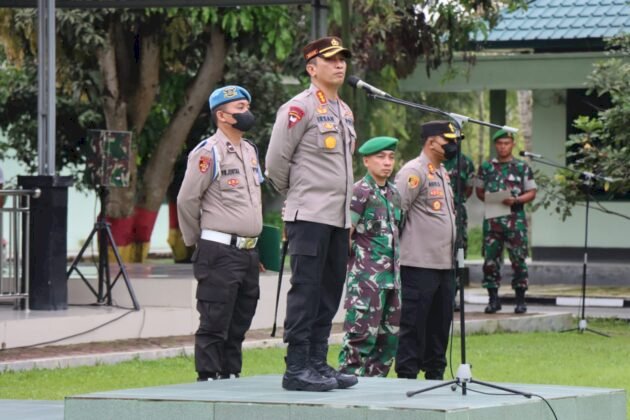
[{"x": 239, "y": 242}]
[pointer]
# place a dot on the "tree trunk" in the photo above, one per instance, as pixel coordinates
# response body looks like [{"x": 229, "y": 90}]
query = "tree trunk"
[
  {"x": 159, "y": 170},
  {"x": 120, "y": 203}
]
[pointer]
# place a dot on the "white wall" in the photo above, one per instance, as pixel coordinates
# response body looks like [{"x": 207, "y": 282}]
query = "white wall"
[
  {"x": 548, "y": 229},
  {"x": 83, "y": 208}
]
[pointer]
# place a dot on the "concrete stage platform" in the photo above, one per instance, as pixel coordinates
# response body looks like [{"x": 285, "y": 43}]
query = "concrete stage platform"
[{"x": 262, "y": 398}]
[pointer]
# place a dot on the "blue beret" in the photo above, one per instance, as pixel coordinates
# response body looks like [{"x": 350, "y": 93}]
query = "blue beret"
[
  {"x": 502, "y": 133},
  {"x": 228, "y": 94},
  {"x": 377, "y": 144}
]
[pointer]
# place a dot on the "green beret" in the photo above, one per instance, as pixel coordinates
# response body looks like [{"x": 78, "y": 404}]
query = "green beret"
[
  {"x": 502, "y": 133},
  {"x": 377, "y": 144}
]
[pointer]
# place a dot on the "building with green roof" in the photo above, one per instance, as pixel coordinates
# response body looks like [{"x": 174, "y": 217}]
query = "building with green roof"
[{"x": 549, "y": 48}]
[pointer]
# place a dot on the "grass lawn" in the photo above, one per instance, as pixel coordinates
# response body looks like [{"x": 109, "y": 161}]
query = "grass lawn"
[{"x": 544, "y": 358}]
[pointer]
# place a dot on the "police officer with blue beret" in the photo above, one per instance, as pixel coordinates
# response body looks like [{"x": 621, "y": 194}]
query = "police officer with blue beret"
[{"x": 219, "y": 209}]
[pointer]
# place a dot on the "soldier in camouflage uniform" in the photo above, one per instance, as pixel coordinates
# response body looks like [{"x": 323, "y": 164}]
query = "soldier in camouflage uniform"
[
  {"x": 373, "y": 286},
  {"x": 466, "y": 176},
  {"x": 506, "y": 173}
]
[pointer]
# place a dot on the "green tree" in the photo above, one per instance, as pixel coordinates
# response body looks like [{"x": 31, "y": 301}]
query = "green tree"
[
  {"x": 125, "y": 69},
  {"x": 388, "y": 40},
  {"x": 603, "y": 145}
]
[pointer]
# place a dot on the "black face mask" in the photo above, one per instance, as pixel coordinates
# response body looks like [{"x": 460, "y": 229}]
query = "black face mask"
[
  {"x": 244, "y": 120},
  {"x": 450, "y": 150}
]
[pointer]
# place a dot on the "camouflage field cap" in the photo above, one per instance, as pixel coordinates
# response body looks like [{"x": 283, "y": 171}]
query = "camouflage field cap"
[
  {"x": 377, "y": 144},
  {"x": 501, "y": 134},
  {"x": 445, "y": 129},
  {"x": 227, "y": 94},
  {"x": 325, "y": 47}
]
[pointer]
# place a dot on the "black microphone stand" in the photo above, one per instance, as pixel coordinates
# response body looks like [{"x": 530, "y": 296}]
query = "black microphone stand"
[
  {"x": 588, "y": 183},
  {"x": 464, "y": 372}
]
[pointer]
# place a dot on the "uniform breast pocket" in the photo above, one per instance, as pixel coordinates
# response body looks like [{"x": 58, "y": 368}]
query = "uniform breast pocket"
[
  {"x": 231, "y": 186},
  {"x": 436, "y": 206},
  {"x": 329, "y": 138}
]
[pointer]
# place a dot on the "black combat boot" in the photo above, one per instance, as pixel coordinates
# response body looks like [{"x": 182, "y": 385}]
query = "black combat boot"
[
  {"x": 494, "y": 304},
  {"x": 319, "y": 353},
  {"x": 229, "y": 375},
  {"x": 435, "y": 375},
  {"x": 300, "y": 376},
  {"x": 207, "y": 376},
  {"x": 521, "y": 306}
]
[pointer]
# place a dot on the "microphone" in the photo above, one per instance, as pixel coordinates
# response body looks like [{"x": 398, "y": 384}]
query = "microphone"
[
  {"x": 355, "y": 82},
  {"x": 528, "y": 154}
]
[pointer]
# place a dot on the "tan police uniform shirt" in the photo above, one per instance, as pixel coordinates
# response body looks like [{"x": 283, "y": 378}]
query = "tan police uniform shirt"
[
  {"x": 221, "y": 190},
  {"x": 310, "y": 158},
  {"x": 428, "y": 237}
]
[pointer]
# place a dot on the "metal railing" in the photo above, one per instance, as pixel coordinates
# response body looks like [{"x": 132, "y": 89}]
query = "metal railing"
[{"x": 14, "y": 253}]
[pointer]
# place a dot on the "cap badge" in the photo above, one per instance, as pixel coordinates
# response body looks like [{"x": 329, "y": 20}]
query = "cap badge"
[
  {"x": 334, "y": 43},
  {"x": 229, "y": 92}
]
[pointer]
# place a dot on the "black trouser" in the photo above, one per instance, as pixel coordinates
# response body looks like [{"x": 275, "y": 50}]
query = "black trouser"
[
  {"x": 227, "y": 295},
  {"x": 427, "y": 311},
  {"x": 319, "y": 254}
]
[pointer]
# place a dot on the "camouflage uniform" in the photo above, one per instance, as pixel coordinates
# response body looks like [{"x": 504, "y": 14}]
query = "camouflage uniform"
[
  {"x": 517, "y": 177},
  {"x": 467, "y": 178},
  {"x": 373, "y": 286}
]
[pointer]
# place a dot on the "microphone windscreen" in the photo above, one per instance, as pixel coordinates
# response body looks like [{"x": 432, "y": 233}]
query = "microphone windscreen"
[
  {"x": 353, "y": 80},
  {"x": 522, "y": 153}
]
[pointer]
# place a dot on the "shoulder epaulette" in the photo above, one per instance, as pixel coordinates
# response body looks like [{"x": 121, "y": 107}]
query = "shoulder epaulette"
[{"x": 216, "y": 156}]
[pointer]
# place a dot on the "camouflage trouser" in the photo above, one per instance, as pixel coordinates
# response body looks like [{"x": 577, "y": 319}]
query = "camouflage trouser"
[
  {"x": 464, "y": 226},
  {"x": 371, "y": 325},
  {"x": 511, "y": 230}
]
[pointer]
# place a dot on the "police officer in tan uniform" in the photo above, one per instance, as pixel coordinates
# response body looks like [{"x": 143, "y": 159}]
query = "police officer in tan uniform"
[
  {"x": 310, "y": 160},
  {"x": 426, "y": 255},
  {"x": 219, "y": 209}
]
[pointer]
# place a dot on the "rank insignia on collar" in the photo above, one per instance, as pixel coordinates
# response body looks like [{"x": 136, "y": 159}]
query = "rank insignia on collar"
[
  {"x": 232, "y": 182},
  {"x": 321, "y": 97},
  {"x": 431, "y": 167},
  {"x": 295, "y": 115},
  {"x": 230, "y": 147},
  {"x": 204, "y": 164},
  {"x": 254, "y": 162},
  {"x": 413, "y": 181},
  {"x": 322, "y": 110}
]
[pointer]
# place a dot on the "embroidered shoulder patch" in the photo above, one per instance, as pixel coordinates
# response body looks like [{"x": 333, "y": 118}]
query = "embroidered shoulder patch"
[
  {"x": 295, "y": 115},
  {"x": 413, "y": 181},
  {"x": 204, "y": 163}
]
